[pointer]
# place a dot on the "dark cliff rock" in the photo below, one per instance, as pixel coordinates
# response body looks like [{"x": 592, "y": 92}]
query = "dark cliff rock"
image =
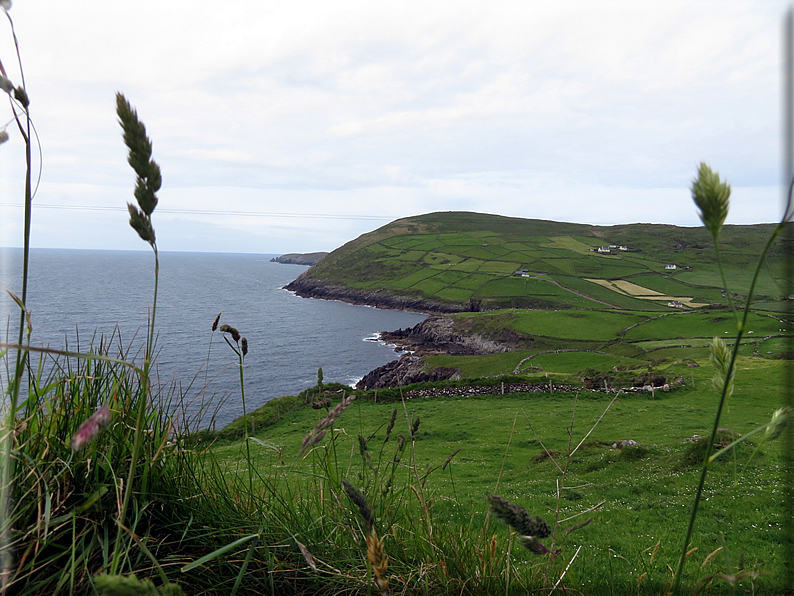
[
  {"x": 434, "y": 335},
  {"x": 309, "y": 258},
  {"x": 308, "y": 287},
  {"x": 437, "y": 335},
  {"x": 406, "y": 370}
]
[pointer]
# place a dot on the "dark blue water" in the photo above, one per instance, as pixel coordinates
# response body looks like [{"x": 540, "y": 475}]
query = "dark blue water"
[{"x": 74, "y": 294}]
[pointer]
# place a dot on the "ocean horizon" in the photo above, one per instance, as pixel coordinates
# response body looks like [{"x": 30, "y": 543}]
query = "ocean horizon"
[{"x": 77, "y": 296}]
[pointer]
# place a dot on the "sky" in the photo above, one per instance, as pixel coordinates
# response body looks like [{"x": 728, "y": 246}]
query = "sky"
[{"x": 297, "y": 126}]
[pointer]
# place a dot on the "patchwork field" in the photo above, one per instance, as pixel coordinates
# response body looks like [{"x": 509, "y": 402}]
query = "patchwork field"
[{"x": 639, "y": 267}]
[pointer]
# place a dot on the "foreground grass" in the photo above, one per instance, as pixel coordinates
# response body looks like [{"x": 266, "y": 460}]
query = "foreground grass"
[{"x": 645, "y": 490}]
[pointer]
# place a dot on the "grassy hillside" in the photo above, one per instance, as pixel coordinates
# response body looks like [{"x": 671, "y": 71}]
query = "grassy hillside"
[
  {"x": 464, "y": 448},
  {"x": 566, "y": 342},
  {"x": 490, "y": 261}
]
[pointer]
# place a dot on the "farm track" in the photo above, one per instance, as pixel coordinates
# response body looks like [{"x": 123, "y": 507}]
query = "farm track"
[{"x": 559, "y": 285}]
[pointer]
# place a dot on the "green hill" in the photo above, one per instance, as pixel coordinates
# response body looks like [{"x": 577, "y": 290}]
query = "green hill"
[{"x": 461, "y": 261}]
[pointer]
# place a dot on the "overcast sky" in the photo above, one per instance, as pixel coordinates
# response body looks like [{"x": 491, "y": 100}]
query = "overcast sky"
[{"x": 296, "y": 126}]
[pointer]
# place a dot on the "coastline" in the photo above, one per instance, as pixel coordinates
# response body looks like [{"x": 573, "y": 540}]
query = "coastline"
[{"x": 307, "y": 287}]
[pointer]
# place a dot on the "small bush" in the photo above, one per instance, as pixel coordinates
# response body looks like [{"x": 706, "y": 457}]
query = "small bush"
[
  {"x": 696, "y": 450},
  {"x": 632, "y": 453}
]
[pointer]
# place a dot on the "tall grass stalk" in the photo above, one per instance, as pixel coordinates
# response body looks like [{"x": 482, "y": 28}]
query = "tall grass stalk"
[
  {"x": 711, "y": 196},
  {"x": 9, "y": 408},
  {"x": 148, "y": 182},
  {"x": 240, "y": 348}
]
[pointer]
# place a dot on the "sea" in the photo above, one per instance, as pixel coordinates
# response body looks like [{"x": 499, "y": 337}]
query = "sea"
[{"x": 77, "y": 296}]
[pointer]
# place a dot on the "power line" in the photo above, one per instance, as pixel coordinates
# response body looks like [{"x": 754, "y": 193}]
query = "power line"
[{"x": 209, "y": 212}]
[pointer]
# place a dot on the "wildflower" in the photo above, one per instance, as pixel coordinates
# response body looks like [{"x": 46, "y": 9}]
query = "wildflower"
[
  {"x": 711, "y": 196},
  {"x": 307, "y": 556},
  {"x": 89, "y": 430}
]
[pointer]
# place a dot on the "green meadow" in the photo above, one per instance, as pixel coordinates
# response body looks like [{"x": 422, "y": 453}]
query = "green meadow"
[{"x": 636, "y": 498}]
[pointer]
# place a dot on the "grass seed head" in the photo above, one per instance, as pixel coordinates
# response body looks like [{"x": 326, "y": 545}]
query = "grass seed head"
[
  {"x": 780, "y": 418},
  {"x": 720, "y": 356},
  {"x": 361, "y": 502},
  {"x": 518, "y": 518},
  {"x": 379, "y": 560},
  {"x": 390, "y": 427},
  {"x": 318, "y": 432},
  {"x": 231, "y": 331},
  {"x": 141, "y": 224},
  {"x": 449, "y": 459},
  {"x": 712, "y": 197},
  {"x": 533, "y": 545},
  {"x": 244, "y": 345},
  {"x": 216, "y": 321},
  {"x": 415, "y": 426}
]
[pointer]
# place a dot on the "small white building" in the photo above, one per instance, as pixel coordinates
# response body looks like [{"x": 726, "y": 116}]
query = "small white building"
[
  {"x": 676, "y": 304},
  {"x": 670, "y": 267}
]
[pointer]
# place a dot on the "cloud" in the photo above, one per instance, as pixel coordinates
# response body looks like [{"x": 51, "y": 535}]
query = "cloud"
[{"x": 389, "y": 110}]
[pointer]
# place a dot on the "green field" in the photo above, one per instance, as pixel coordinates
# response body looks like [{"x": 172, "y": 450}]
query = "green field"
[
  {"x": 388, "y": 258},
  {"x": 701, "y": 325},
  {"x": 575, "y": 324},
  {"x": 500, "y": 445}
]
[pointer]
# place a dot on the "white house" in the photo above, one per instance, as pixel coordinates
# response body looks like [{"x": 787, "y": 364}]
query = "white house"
[{"x": 670, "y": 267}]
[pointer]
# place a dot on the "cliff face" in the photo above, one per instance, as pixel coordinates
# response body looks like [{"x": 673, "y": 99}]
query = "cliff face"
[
  {"x": 437, "y": 335},
  {"x": 308, "y": 287}
]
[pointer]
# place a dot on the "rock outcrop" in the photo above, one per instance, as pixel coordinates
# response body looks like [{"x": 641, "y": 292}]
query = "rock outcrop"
[
  {"x": 434, "y": 335},
  {"x": 408, "y": 369},
  {"x": 437, "y": 335}
]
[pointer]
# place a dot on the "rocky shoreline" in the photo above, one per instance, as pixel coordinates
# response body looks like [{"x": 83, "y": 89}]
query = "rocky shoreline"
[
  {"x": 434, "y": 335},
  {"x": 308, "y": 287}
]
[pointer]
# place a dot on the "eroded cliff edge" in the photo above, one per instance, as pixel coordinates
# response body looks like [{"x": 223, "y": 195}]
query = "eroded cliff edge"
[{"x": 307, "y": 286}]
